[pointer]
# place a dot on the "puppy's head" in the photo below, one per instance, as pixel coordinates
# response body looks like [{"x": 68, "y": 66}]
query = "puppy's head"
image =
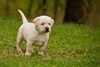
[{"x": 43, "y": 23}]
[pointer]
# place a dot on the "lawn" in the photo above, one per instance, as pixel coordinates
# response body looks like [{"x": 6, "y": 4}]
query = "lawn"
[{"x": 70, "y": 45}]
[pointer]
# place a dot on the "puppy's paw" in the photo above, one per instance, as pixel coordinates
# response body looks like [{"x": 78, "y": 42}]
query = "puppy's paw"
[
  {"x": 27, "y": 54},
  {"x": 41, "y": 53}
]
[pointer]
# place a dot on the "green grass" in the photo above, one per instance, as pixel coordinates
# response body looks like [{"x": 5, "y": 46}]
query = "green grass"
[{"x": 70, "y": 45}]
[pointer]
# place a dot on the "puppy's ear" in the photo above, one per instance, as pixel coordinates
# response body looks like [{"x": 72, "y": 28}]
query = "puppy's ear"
[
  {"x": 52, "y": 21},
  {"x": 36, "y": 20}
]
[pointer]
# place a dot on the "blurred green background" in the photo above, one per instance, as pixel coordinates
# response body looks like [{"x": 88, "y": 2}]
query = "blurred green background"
[
  {"x": 63, "y": 11},
  {"x": 74, "y": 40}
]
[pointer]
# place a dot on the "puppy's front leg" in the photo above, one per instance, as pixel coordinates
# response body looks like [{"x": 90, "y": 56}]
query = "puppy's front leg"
[
  {"x": 29, "y": 49},
  {"x": 41, "y": 49}
]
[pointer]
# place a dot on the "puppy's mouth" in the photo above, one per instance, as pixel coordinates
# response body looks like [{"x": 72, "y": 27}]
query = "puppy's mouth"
[{"x": 46, "y": 31}]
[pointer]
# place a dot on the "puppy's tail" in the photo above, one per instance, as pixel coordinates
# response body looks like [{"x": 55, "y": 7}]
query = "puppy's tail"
[{"x": 23, "y": 16}]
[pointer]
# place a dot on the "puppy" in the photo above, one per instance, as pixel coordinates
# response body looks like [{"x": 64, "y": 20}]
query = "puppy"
[{"x": 36, "y": 33}]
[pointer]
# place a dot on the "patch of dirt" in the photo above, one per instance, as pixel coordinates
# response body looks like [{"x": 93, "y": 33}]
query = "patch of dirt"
[{"x": 10, "y": 51}]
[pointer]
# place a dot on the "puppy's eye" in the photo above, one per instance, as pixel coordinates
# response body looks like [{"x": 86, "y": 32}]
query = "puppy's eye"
[
  {"x": 49, "y": 23},
  {"x": 42, "y": 23}
]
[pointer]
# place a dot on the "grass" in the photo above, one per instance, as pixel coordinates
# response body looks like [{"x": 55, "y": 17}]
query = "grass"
[{"x": 70, "y": 45}]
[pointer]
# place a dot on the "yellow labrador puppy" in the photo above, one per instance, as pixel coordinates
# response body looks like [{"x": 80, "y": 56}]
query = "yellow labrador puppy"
[{"x": 36, "y": 33}]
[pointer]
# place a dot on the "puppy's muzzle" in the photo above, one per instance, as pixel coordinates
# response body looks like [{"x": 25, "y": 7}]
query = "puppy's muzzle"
[{"x": 46, "y": 29}]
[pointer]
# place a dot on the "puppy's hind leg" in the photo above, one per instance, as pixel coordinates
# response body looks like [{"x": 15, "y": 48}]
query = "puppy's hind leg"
[{"x": 18, "y": 44}]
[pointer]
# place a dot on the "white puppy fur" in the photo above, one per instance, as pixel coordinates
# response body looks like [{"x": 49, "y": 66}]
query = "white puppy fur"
[{"x": 36, "y": 33}]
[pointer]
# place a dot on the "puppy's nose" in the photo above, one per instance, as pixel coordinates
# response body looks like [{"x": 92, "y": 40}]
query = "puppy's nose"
[{"x": 47, "y": 29}]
